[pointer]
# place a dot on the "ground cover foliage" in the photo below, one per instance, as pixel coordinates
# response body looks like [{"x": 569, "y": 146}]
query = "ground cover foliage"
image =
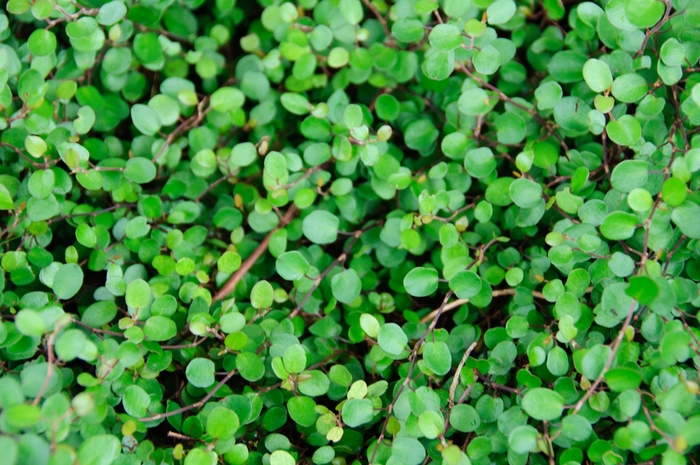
[{"x": 349, "y": 231}]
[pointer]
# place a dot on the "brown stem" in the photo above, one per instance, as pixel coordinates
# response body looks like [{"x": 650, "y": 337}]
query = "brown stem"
[
  {"x": 198, "y": 404},
  {"x": 407, "y": 379},
  {"x": 341, "y": 258},
  {"x": 608, "y": 363},
  {"x": 498, "y": 386},
  {"x": 455, "y": 380},
  {"x": 49, "y": 371},
  {"x": 257, "y": 253},
  {"x": 381, "y": 20}
]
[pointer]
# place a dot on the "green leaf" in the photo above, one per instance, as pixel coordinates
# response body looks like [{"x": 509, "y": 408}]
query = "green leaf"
[
  {"x": 41, "y": 183},
  {"x": 226, "y": 99},
  {"x": 101, "y": 449},
  {"x": 292, "y": 265},
  {"x": 445, "y": 37},
  {"x": 139, "y": 170},
  {"x": 200, "y": 372},
  {"x": 431, "y": 424},
  {"x": 351, "y": 11},
  {"x": 618, "y": 226},
  {"x": 295, "y": 103},
  {"x": 243, "y": 154},
  {"x": 464, "y": 418},
  {"x": 439, "y": 64},
  {"x": 480, "y": 162},
  {"x": 567, "y": 66},
  {"x": 294, "y": 358},
  {"x": 30, "y": 323},
  {"x": 160, "y": 328},
  {"x": 629, "y": 88},
  {"x": 111, "y": 12},
  {"x": 594, "y": 361},
  {"x": 369, "y": 324},
  {"x": 644, "y": 13},
  {"x": 222, "y": 423},
  {"x": 357, "y": 412},
  {"x": 640, "y": 200},
  {"x": 145, "y": 119},
  {"x": 42, "y": 42},
  {"x": 523, "y": 439},
  {"x": 643, "y": 289},
  {"x": 624, "y": 131},
  {"x": 201, "y": 457},
  {"x": 99, "y": 313},
  {"x": 597, "y": 75},
  {"x": 229, "y": 262},
  {"x": 576, "y": 427},
  {"x": 543, "y": 404},
  {"x": 392, "y": 339},
  {"x": 346, "y": 286},
  {"x": 70, "y": 344},
  {"x": 407, "y": 30},
  {"x": 673, "y": 52},
  {"x": 6, "y": 202},
  {"x": 687, "y": 217},
  {"x": 557, "y": 361},
  {"x": 421, "y": 282},
  {"x": 622, "y": 378},
  {"x": 137, "y": 227},
  {"x": 548, "y": 95},
  {"x": 466, "y": 284},
  {"x": 138, "y": 294},
  {"x": 250, "y": 366},
  {"x": 407, "y": 450},
  {"x": 500, "y": 11},
  {"x": 437, "y": 357},
  {"x": 67, "y": 281},
  {"x": 525, "y": 193},
  {"x": 674, "y": 192},
  {"x": 474, "y": 102},
  {"x": 321, "y": 227},
  {"x": 136, "y": 401},
  {"x": 488, "y": 59},
  {"x": 302, "y": 410},
  {"x": 630, "y": 174},
  {"x": 23, "y": 416},
  {"x": 262, "y": 295},
  {"x": 281, "y": 457}
]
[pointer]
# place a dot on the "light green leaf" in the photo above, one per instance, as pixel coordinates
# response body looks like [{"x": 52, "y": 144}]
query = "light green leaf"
[
  {"x": 321, "y": 227},
  {"x": 543, "y": 404},
  {"x": 421, "y": 282}
]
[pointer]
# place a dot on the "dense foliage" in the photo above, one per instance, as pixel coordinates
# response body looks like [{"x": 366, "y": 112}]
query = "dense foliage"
[{"x": 349, "y": 231}]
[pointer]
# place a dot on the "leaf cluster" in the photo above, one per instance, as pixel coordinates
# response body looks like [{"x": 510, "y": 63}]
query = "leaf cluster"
[{"x": 349, "y": 231}]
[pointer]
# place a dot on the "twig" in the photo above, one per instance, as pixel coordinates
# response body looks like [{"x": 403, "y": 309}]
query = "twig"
[
  {"x": 193, "y": 120},
  {"x": 257, "y": 253},
  {"x": 341, "y": 258},
  {"x": 98, "y": 331},
  {"x": 407, "y": 379},
  {"x": 49, "y": 371},
  {"x": 608, "y": 363},
  {"x": 459, "y": 302},
  {"x": 197, "y": 404},
  {"x": 502, "y": 96},
  {"x": 455, "y": 380},
  {"x": 498, "y": 386},
  {"x": 185, "y": 346},
  {"x": 37, "y": 165},
  {"x": 655, "y": 29},
  {"x": 213, "y": 185},
  {"x": 381, "y": 20}
]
